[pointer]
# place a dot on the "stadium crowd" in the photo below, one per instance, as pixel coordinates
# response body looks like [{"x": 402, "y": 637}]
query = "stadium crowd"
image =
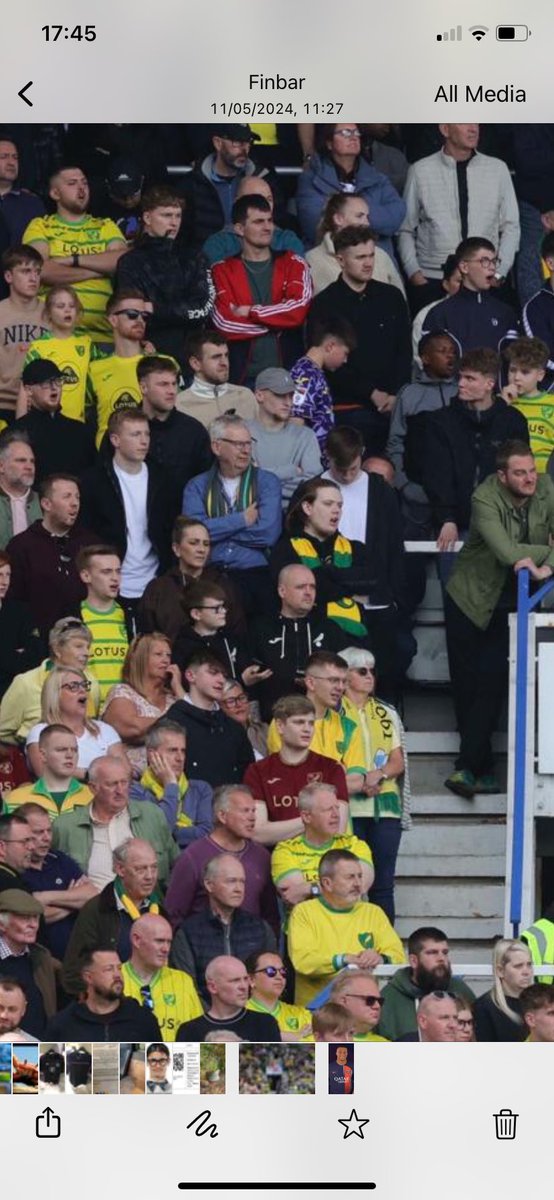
[{"x": 226, "y": 399}]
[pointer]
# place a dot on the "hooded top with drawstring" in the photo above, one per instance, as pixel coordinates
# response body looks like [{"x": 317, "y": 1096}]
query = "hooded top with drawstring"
[{"x": 285, "y": 644}]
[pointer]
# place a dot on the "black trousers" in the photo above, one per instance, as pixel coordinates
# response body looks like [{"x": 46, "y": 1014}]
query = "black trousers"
[{"x": 479, "y": 672}]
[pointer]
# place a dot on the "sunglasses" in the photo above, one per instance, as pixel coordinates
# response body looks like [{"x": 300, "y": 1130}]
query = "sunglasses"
[
  {"x": 134, "y": 314},
  {"x": 364, "y": 670},
  {"x": 271, "y": 972},
  {"x": 370, "y": 1001}
]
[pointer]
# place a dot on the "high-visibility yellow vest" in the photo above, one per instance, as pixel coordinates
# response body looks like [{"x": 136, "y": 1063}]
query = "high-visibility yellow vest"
[{"x": 540, "y": 940}]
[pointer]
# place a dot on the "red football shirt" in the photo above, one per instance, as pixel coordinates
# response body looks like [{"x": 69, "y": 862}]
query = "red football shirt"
[{"x": 278, "y": 783}]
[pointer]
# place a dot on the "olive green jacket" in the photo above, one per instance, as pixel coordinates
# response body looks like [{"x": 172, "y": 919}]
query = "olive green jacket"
[
  {"x": 493, "y": 546},
  {"x": 72, "y": 833}
]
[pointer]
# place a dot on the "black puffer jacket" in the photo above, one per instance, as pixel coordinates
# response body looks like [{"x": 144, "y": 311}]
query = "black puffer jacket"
[{"x": 178, "y": 284}]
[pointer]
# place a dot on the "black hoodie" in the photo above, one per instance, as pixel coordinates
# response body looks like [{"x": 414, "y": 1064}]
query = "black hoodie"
[
  {"x": 285, "y": 644},
  {"x": 130, "y": 1022},
  {"x": 178, "y": 284},
  {"x": 461, "y": 449},
  {"x": 218, "y": 749}
]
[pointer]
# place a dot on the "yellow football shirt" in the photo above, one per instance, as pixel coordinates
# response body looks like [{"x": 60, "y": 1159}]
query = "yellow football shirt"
[
  {"x": 320, "y": 936},
  {"x": 539, "y": 414},
  {"x": 174, "y": 997},
  {"x": 109, "y": 644},
  {"x": 72, "y": 356},
  {"x": 88, "y": 235},
  {"x": 296, "y": 854},
  {"x": 112, "y": 384},
  {"x": 335, "y": 736},
  {"x": 290, "y": 1017}
]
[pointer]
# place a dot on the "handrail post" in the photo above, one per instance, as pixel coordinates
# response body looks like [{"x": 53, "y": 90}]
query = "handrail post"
[{"x": 522, "y": 650}]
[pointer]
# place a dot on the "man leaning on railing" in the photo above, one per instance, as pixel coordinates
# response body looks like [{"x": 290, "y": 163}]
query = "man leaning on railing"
[{"x": 512, "y": 527}]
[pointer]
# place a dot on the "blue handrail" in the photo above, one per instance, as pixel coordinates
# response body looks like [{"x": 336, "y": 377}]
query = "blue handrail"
[{"x": 525, "y": 606}]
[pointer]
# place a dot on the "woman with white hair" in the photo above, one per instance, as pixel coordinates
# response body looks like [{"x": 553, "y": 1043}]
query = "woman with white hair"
[
  {"x": 69, "y": 645},
  {"x": 380, "y": 812},
  {"x": 498, "y": 1013}
]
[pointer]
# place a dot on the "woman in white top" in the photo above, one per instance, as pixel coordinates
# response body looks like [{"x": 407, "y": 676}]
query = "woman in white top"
[
  {"x": 64, "y": 701},
  {"x": 344, "y": 209}
]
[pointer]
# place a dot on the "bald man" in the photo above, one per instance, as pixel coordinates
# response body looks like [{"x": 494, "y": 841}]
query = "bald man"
[
  {"x": 228, "y": 988},
  {"x": 285, "y": 642},
  {"x": 170, "y": 994},
  {"x": 437, "y": 1019},
  {"x": 225, "y": 242}
]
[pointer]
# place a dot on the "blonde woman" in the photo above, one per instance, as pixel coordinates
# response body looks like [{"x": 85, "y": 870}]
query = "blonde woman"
[
  {"x": 150, "y": 684},
  {"x": 342, "y": 209},
  {"x": 64, "y": 702},
  {"x": 69, "y": 644},
  {"x": 380, "y": 812},
  {"x": 498, "y": 1013}
]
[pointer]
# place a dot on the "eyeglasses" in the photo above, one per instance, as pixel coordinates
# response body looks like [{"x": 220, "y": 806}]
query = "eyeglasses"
[
  {"x": 83, "y": 685},
  {"x": 271, "y": 972},
  {"x": 50, "y": 383},
  {"x": 134, "y": 314},
  {"x": 216, "y": 608},
  {"x": 364, "y": 670},
  {"x": 334, "y": 679},
  {"x": 158, "y": 1062},
  {"x": 235, "y": 701},
  {"x": 27, "y": 841},
  {"x": 239, "y": 445},
  {"x": 147, "y": 1002},
  {"x": 484, "y": 262},
  {"x": 348, "y": 133},
  {"x": 370, "y": 1001},
  {"x": 465, "y": 1022}
]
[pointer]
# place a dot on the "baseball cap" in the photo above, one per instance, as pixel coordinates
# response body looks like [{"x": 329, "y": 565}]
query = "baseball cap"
[
  {"x": 235, "y": 133},
  {"x": 22, "y": 904},
  {"x": 275, "y": 379},
  {"x": 40, "y": 370},
  {"x": 124, "y": 177}
]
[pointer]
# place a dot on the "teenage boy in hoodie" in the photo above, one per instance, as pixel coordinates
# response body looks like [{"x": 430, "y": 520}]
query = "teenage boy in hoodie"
[
  {"x": 527, "y": 363},
  {"x": 205, "y": 607},
  {"x": 434, "y": 387},
  {"x": 462, "y": 442},
  {"x": 475, "y": 316},
  {"x": 218, "y": 749}
]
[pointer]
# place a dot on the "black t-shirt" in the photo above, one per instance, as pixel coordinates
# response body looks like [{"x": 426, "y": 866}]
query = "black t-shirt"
[
  {"x": 51, "y": 1066},
  {"x": 9, "y": 878},
  {"x": 250, "y": 1026},
  {"x": 79, "y": 1066}
]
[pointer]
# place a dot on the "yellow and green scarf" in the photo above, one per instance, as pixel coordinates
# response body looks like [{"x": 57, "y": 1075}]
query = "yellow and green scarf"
[
  {"x": 217, "y": 504},
  {"x": 345, "y": 612},
  {"x": 149, "y": 781},
  {"x": 129, "y": 905}
]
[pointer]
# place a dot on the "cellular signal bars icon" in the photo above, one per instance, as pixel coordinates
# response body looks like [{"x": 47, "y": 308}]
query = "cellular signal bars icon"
[{"x": 452, "y": 35}]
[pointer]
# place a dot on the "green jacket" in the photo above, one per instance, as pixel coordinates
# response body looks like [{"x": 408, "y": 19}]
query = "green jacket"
[
  {"x": 34, "y": 513},
  {"x": 398, "y": 1014},
  {"x": 72, "y": 833},
  {"x": 493, "y": 546}
]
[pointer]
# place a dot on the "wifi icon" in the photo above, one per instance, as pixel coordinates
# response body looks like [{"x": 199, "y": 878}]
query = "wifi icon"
[{"x": 478, "y": 31}]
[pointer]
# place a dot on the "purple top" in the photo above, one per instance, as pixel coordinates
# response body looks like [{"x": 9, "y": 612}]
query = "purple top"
[{"x": 186, "y": 894}]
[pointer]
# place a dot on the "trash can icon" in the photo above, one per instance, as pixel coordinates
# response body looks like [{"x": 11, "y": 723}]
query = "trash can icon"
[{"x": 505, "y": 1122}]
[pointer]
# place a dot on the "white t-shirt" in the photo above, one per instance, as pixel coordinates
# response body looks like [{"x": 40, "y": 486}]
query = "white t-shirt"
[
  {"x": 353, "y": 519},
  {"x": 140, "y": 564},
  {"x": 231, "y": 488},
  {"x": 89, "y": 747}
]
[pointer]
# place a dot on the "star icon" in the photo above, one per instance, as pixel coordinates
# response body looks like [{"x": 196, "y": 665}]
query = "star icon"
[{"x": 353, "y": 1124}]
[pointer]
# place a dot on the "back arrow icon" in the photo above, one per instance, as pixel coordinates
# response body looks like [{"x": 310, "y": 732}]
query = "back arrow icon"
[{"x": 22, "y": 93}]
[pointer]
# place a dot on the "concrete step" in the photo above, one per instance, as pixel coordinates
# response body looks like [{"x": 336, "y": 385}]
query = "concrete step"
[
  {"x": 456, "y": 898},
  {"x": 475, "y": 930},
  {"x": 429, "y": 770},
  {"x": 441, "y": 804},
  {"x": 454, "y": 838}
]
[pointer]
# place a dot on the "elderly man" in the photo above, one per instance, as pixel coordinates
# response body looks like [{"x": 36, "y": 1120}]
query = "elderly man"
[
  {"x": 228, "y": 987},
  {"x": 104, "y": 1014},
  {"x": 91, "y": 833},
  {"x": 234, "y": 813},
  {"x": 186, "y": 804},
  {"x": 454, "y": 194},
  {"x": 284, "y": 641},
  {"x": 16, "y": 847},
  {"x": 295, "y": 862},
  {"x": 24, "y": 960},
  {"x": 437, "y": 1019},
  {"x": 429, "y": 970},
  {"x": 326, "y": 933},
  {"x": 13, "y": 1006},
  {"x": 55, "y": 880},
  {"x": 224, "y": 927},
  {"x": 170, "y": 994},
  {"x": 107, "y": 919},
  {"x": 359, "y": 994},
  {"x": 240, "y": 505}
]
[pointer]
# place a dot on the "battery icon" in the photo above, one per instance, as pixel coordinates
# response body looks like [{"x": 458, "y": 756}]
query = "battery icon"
[{"x": 512, "y": 33}]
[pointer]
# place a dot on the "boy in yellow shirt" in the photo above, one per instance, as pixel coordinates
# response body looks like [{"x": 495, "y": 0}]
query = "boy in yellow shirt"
[{"x": 528, "y": 359}]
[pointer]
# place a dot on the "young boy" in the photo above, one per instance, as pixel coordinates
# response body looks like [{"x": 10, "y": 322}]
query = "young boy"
[
  {"x": 434, "y": 387},
  {"x": 330, "y": 344},
  {"x": 332, "y": 1023},
  {"x": 205, "y": 605},
  {"x": 527, "y": 359},
  {"x": 21, "y": 321},
  {"x": 56, "y": 790},
  {"x": 100, "y": 570}
]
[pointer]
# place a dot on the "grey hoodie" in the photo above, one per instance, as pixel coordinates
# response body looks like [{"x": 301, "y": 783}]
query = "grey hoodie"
[{"x": 423, "y": 395}]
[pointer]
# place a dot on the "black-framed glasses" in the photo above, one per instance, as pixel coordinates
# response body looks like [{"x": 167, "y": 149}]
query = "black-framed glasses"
[
  {"x": 148, "y": 1002},
  {"x": 235, "y": 701},
  {"x": 369, "y": 1001},
  {"x": 81, "y": 685},
  {"x": 465, "y": 1022},
  {"x": 134, "y": 314},
  {"x": 271, "y": 972}
]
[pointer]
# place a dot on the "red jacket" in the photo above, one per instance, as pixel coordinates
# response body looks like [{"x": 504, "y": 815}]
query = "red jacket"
[{"x": 291, "y": 292}]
